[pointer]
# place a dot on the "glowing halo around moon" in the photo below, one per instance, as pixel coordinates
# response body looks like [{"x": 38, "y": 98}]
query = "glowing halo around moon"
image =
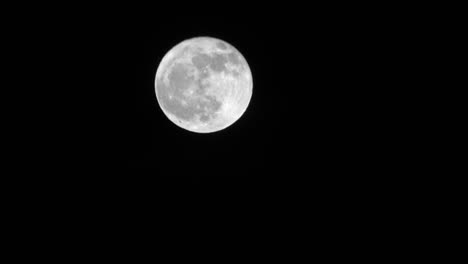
[{"x": 203, "y": 85}]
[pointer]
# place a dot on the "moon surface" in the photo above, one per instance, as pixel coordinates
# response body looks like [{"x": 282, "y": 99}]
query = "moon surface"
[{"x": 203, "y": 84}]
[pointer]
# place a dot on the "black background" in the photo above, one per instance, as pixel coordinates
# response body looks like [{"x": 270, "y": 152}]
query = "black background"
[
  {"x": 317, "y": 138},
  {"x": 314, "y": 120},
  {"x": 325, "y": 156}
]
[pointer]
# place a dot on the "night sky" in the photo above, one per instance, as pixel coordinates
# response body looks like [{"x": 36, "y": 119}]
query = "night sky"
[{"x": 317, "y": 126}]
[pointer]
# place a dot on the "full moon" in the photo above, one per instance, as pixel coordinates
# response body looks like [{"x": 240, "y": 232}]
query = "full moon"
[{"x": 203, "y": 85}]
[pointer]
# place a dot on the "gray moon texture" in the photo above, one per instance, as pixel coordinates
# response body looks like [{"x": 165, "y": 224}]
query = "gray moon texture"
[{"x": 203, "y": 85}]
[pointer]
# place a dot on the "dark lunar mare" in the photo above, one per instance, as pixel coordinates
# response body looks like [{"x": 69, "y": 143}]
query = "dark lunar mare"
[
  {"x": 179, "y": 78},
  {"x": 221, "y": 45},
  {"x": 178, "y": 82},
  {"x": 215, "y": 61},
  {"x": 200, "y": 61}
]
